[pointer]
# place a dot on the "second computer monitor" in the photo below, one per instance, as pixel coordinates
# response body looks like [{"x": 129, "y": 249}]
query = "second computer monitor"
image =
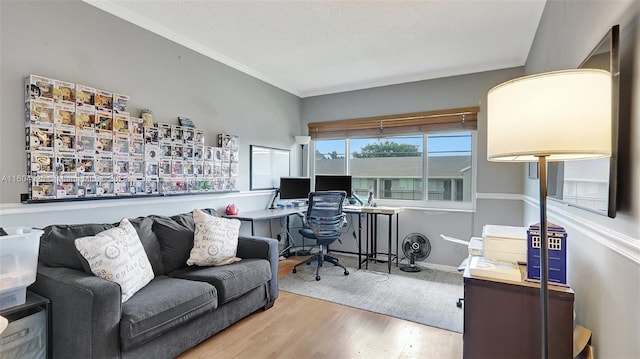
[{"x": 333, "y": 183}]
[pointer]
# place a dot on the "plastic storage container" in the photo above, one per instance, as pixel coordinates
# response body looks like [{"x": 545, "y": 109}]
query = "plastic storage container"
[{"x": 18, "y": 264}]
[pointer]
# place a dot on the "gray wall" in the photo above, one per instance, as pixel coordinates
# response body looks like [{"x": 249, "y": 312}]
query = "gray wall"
[
  {"x": 499, "y": 186},
  {"x": 76, "y": 42},
  {"x": 603, "y": 253}
]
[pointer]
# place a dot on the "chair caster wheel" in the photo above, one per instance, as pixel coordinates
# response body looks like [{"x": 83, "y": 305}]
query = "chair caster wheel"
[
  {"x": 295, "y": 270},
  {"x": 346, "y": 272},
  {"x": 317, "y": 277}
]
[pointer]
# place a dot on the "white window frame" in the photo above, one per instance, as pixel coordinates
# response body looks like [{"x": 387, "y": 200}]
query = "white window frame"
[{"x": 424, "y": 203}]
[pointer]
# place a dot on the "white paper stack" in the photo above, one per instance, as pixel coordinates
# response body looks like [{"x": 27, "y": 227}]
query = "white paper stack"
[
  {"x": 495, "y": 269},
  {"x": 505, "y": 242}
]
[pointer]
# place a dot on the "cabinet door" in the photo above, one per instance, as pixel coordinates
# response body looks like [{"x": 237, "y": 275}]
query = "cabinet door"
[{"x": 503, "y": 321}]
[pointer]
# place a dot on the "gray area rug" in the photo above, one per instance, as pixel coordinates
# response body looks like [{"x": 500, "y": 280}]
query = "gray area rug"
[{"x": 427, "y": 297}]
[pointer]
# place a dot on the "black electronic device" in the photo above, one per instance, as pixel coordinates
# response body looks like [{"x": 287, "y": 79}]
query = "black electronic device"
[
  {"x": 415, "y": 246},
  {"x": 334, "y": 183},
  {"x": 295, "y": 187}
]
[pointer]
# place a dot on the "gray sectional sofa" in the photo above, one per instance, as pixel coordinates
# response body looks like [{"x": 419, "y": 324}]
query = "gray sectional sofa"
[{"x": 181, "y": 307}]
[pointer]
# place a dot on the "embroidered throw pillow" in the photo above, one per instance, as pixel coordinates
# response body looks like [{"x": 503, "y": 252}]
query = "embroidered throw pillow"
[
  {"x": 215, "y": 240},
  {"x": 117, "y": 255}
]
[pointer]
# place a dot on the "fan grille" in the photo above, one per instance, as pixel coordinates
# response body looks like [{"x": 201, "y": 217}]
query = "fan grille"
[{"x": 416, "y": 244}]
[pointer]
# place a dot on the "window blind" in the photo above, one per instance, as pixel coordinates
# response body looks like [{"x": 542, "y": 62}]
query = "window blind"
[{"x": 417, "y": 122}]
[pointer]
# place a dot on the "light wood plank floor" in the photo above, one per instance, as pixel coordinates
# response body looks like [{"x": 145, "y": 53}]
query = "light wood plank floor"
[{"x": 303, "y": 327}]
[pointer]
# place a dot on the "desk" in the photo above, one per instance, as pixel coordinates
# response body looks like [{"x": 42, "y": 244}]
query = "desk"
[
  {"x": 502, "y": 319},
  {"x": 372, "y": 234},
  {"x": 266, "y": 214}
]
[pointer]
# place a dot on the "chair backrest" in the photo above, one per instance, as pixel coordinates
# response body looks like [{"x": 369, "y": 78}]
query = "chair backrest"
[{"x": 324, "y": 214}]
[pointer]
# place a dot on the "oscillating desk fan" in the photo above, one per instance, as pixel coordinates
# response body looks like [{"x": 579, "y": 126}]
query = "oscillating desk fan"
[{"x": 415, "y": 247}]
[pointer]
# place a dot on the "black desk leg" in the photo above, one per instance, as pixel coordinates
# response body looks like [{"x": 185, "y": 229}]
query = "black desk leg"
[
  {"x": 397, "y": 252},
  {"x": 389, "y": 245},
  {"x": 369, "y": 234},
  {"x": 359, "y": 240}
]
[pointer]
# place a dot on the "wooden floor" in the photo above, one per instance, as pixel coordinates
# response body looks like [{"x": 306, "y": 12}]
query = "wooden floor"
[{"x": 303, "y": 327}]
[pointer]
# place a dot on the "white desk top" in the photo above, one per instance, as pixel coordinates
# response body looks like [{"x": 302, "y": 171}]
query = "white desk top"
[
  {"x": 382, "y": 209},
  {"x": 267, "y": 213}
]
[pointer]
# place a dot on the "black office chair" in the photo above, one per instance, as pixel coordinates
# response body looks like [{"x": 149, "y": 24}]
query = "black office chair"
[{"x": 323, "y": 222}]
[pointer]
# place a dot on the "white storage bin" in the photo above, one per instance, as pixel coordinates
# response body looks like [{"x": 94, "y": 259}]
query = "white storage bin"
[{"x": 18, "y": 264}]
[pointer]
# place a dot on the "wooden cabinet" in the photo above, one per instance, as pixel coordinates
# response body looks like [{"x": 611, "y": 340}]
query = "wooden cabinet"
[{"x": 502, "y": 319}]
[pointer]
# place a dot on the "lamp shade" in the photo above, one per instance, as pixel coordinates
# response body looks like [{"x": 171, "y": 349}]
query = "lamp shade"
[
  {"x": 303, "y": 140},
  {"x": 563, "y": 115}
]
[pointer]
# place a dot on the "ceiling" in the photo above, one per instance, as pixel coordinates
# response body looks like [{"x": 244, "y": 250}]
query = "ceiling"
[{"x": 311, "y": 48}]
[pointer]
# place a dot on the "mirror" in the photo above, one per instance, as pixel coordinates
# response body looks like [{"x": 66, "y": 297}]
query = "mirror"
[{"x": 591, "y": 184}]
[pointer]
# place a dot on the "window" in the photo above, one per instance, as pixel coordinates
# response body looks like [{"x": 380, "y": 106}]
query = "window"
[
  {"x": 394, "y": 167},
  {"x": 420, "y": 156}
]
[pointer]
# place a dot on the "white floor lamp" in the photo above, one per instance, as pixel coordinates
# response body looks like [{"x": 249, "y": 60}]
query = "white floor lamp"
[
  {"x": 302, "y": 141},
  {"x": 554, "y": 116}
]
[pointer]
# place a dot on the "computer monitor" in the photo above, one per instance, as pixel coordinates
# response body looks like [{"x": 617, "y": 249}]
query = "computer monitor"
[
  {"x": 334, "y": 183},
  {"x": 295, "y": 187}
]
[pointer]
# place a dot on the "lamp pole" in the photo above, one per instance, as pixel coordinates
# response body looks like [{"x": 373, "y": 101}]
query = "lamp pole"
[
  {"x": 544, "y": 257},
  {"x": 302, "y": 159},
  {"x": 302, "y": 141}
]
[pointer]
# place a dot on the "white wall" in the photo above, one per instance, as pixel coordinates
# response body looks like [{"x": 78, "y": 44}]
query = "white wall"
[
  {"x": 603, "y": 253},
  {"x": 76, "y": 42}
]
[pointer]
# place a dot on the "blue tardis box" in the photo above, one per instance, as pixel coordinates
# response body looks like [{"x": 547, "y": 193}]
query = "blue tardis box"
[{"x": 557, "y": 244}]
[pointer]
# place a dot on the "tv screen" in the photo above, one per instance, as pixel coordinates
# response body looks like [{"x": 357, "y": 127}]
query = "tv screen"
[
  {"x": 294, "y": 187},
  {"x": 334, "y": 183}
]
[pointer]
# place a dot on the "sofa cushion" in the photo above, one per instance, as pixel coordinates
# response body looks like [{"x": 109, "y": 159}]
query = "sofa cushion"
[
  {"x": 176, "y": 242},
  {"x": 215, "y": 240},
  {"x": 186, "y": 219},
  {"x": 57, "y": 248},
  {"x": 117, "y": 255},
  {"x": 165, "y": 303},
  {"x": 149, "y": 240},
  {"x": 231, "y": 280}
]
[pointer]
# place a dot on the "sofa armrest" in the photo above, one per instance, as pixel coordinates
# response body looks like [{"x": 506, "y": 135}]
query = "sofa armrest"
[
  {"x": 264, "y": 248},
  {"x": 85, "y": 312}
]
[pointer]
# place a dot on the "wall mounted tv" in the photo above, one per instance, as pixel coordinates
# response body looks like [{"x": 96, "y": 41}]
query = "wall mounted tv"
[{"x": 333, "y": 183}]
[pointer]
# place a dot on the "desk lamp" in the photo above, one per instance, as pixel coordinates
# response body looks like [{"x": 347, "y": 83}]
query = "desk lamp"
[
  {"x": 554, "y": 116},
  {"x": 302, "y": 141}
]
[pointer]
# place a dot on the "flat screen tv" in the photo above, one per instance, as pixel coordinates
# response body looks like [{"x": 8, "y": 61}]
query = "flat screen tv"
[
  {"x": 294, "y": 187},
  {"x": 334, "y": 183}
]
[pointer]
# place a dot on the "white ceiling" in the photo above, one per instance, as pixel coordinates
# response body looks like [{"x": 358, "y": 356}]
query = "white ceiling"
[{"x": 319, "y": 47}]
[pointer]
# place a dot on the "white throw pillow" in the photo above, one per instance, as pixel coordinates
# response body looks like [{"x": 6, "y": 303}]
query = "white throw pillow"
[
  {"x": 117, "y": 255},
  {"x": 215, "y": 240}
]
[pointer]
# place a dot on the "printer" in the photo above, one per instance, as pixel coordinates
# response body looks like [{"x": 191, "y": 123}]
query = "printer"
[{"x": 504, "y": 243}]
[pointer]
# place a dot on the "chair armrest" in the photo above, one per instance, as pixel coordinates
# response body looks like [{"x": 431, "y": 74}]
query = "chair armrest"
[
  {"x": 85, "y": 312},
  {"x": 264, "y": 248}
]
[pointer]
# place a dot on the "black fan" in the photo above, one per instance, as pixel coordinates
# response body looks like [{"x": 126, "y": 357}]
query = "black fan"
[{"x": 415, "y": 247}]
